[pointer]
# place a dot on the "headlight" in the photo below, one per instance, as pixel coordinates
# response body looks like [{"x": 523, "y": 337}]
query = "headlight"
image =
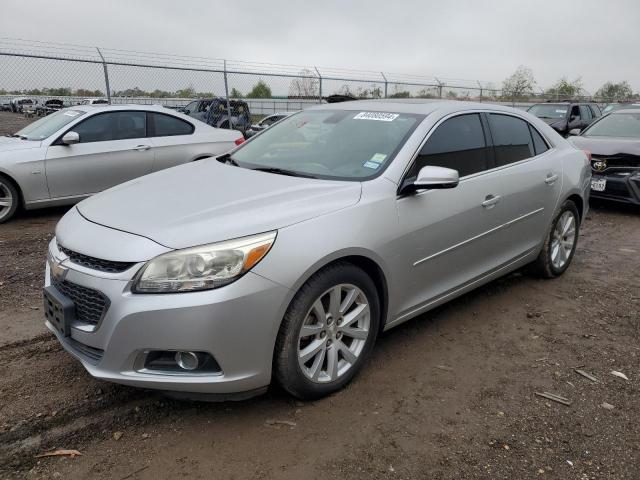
[{"x": 204, "y": 267}]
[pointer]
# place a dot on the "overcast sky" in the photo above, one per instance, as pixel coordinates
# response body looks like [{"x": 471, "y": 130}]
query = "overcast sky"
[{"x": 486, "y": 40}]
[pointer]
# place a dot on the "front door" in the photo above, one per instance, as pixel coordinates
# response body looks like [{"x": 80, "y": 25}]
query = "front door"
[
  {"x": 447, "y": 237},
  {"x": 113, "y": 148}
]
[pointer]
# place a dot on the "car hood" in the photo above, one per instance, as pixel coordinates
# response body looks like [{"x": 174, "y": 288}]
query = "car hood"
[
  {"x": 8, "y": 144},
  {"x": 608, "y": 145},
  {"x": 207, "y": 201}
]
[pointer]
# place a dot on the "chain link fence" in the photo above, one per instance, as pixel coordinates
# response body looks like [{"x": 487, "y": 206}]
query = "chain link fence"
[{"x": 43, "y": 70}]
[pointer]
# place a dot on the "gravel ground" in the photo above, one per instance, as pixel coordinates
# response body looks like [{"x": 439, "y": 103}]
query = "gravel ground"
[{"x": 448, "y": 395}]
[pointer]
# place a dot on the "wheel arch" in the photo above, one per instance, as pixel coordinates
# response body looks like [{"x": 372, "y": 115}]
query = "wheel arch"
[
  {"x": 579, "y": 202},
  {"x": 372, "y": 266},
  {"x": 14, "y": 182}
]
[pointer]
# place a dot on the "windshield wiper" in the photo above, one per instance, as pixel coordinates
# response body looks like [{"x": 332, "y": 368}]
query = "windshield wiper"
[
  {"x": 15, "y": 135},
  {"x": 226, "y": 158},
  {"x": 282, "y": 171}
]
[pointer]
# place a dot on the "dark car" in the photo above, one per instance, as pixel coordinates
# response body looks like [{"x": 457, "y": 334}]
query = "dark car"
[
  {"x": 565, "y": 116},
  {"x": 614, "y": 143},
  {"x": 50, "y": 106},
  {"x": 266, "y": 122},
  {"x": 214, "y": 112}
]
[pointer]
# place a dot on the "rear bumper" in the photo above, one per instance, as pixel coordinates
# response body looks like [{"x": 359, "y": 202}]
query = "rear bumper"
[{"x": 620, "y": 187}]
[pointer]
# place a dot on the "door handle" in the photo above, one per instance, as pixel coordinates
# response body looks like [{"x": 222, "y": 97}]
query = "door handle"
[
  {"x": 551, "y": 178},
  {"x": 491, "y": 201},
  {"x": 142, "y": 148}
]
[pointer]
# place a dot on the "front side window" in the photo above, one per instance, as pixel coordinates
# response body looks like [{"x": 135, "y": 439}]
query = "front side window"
[
  {"x": 112, "y": 126},
  {"x": 47, "y": 126},
  {"x": 167, "y": 125},
  {"x": 511, "y": 139},
  {"x": 615, "y": 125},
  {"x": 332, "y": 144},
  {"x": 458, "y": 143}
]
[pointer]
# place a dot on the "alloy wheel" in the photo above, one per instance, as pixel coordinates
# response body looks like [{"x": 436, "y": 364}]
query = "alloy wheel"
[
  {"x": 563, "y": 239},
  {"x": 6, "y": 200},
  {"x": 334, "y": 333}
]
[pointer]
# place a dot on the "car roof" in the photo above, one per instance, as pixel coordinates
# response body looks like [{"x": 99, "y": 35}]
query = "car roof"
[
  {"x": 121, "y": 106},
  {"x": 414, "y": 105},
  {"x": 631, "y": 109}
]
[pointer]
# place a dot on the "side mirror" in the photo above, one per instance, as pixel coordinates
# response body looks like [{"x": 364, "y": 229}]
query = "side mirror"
[
  {"x": 573, "y": 118},
  {"x": 431, "y": 177},
  {"x": 574, "y": 132},
  {"x": 70, "y": 138}
]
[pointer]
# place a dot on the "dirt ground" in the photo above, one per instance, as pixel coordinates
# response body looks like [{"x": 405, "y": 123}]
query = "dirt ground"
[{"x": 448, "y": 395}]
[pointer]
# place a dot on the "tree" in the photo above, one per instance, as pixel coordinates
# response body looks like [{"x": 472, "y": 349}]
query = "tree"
[
  {"x": 235, "y": 93},
  {"x": 565, "y": 88},
  {"x": 519, "y": 84},
  {"x": 452, "y": 95},
  {"x": 306, "y": 86},
  {"x": 397, "y": 93},
  {"x": 188, "y": 92},
  {"x": 426, "y": 93},
  {"x": 617, "y": 91},
  {"x": 345, "y": 90},
  {"x": 260, "y": 90}
]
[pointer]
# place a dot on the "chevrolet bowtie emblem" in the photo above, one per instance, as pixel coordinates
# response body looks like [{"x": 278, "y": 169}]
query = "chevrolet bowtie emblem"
[{"x": 600, "y": 165}]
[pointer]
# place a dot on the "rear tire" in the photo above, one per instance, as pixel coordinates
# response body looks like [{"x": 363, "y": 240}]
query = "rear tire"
[
  {"x": 339, "y": 309},
  {"x": 9, "y": 199},
  {"x": 560, "y": 243}
]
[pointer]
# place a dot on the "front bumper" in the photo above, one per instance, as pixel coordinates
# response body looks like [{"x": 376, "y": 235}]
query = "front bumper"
[
  {"x": 621, "y": 186},
  {"x": 236, "y": 324}
]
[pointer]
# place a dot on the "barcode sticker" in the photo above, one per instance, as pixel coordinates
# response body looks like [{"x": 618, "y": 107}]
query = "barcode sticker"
[{"x": 382, "y": 117}]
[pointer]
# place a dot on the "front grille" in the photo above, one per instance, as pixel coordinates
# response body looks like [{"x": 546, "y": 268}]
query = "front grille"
[
  {"x": 91, "y": 305},
  {"x": 616, "y": 161},
  {"x": 108, "y": 266}
]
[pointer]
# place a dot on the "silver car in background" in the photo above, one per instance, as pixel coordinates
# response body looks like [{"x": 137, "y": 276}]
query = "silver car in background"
[
  {"x": 289, "y": 255},
  {"x": 75, "y": 152}
]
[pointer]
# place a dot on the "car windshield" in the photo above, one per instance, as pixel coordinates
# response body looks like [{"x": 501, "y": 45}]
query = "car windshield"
[
  {"x": 333, "y": 144},
  {"x": 46, "y": 126},
  {"x": 549, "y": 111},
  {"x": 616, "y": 125},
  {"x": 615, "y": 106}
]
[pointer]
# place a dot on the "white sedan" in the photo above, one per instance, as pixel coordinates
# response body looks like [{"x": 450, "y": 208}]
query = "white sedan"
[{"x": 76, "y": 152}]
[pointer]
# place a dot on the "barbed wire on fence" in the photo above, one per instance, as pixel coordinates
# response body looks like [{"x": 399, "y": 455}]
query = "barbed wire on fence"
[{"x": 50, "y": 69}]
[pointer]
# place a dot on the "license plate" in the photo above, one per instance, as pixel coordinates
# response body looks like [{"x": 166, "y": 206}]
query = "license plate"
[
  {"x": 599, "y": 184},
  {"x": 59, "y": 310}
]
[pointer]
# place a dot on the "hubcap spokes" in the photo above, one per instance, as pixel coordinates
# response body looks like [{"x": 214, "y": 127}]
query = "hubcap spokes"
[
  {"x": 563, "y": 239},
  {"x": 333, "y": 333},
  {"x": 6, "y": 199}
]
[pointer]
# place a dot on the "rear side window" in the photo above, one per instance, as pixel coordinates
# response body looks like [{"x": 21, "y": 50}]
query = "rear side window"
[
  {"x": 112, "y": 126},
  {"x": 596, "y": 110},
  {"x": 585, "y": 112},
  {"x": 167, "y": 125},
  {"x": 511, "y": 139},
  {"x": 539, "y": 144},
  {"x": 458, "y": 143}
]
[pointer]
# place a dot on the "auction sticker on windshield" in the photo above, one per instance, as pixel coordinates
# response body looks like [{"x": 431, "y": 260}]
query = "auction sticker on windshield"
[{"x": 382, "y": 117}]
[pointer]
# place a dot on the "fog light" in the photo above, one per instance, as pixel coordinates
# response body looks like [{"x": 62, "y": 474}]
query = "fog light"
[{"x": 187, "y": 360}]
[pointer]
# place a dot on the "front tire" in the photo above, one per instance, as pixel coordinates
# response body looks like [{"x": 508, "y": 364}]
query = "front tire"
[
  {"x": 328, "y": 332},
  {"x": 560, "y": 243},
  {"x": 9, "y": 199}
]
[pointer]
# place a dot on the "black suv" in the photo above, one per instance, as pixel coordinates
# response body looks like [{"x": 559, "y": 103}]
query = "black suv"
[
  {"x": 565, "y": 116},
  {"x": 214, "y": 112}
]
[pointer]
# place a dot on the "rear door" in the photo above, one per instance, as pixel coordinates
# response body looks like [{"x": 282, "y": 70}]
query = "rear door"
[
  {"x": 113, "y": 148},
  {"x": 531, "y": 180},
  {"x": 586, "y": 116},
  {"x": 447, "y": 235},
  {"x": 172, "y": 140}
]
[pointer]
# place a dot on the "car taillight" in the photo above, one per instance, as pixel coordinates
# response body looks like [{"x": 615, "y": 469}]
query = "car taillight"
[
  {"x": 588, "y": 154},
  {"x": 240, "y": 141}
]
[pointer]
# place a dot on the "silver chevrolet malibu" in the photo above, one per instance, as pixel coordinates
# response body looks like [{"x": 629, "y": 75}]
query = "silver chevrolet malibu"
[{"x": 288, "y": 256}]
